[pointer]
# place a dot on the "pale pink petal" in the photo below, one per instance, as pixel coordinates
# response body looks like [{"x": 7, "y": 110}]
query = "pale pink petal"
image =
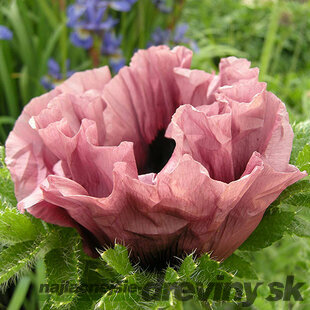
[
  {"x": 234, "y": 69},
  {"x": 81, "y": 82},
  {"x": 26, "y": 155},
  {"x": 247, "y": 213},
  {"x": 194, "y": 86},
  {"x": 206, "y": 138},
  {"x": 83, "y": 160},
  {"x": 261, "y": 125}
]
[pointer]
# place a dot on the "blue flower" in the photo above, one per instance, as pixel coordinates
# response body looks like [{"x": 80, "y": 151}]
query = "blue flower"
[
  {"x": 54, "y": 75},
  {"x": 117, "y": 63},
  {"x": 123, "y": 5},
  {"x": 111, "y": 47},
  {"x": 179, "y": 34},
  {"x": 159, "y": 37},
  {"x": 162, "y": 6},
  {"x": 74, "y": 13},
  {"x": 82, "y": 39},
  {"x": 110, "y": 44},
  {"x": 5, "y": 33},
  {"x": 54, "y": 69},
  {"x": 47, "y": 83},
  {"x": 88, "y": 17}
]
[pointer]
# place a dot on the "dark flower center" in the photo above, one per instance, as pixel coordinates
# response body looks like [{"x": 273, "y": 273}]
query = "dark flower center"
[{"x": 158, "y": 153}]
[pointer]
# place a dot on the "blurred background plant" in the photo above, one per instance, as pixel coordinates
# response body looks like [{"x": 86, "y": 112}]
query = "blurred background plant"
[{"x": 42, "y": 42}]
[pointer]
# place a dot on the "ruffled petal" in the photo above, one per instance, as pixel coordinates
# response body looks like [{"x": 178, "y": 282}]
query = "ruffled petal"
[
  {"x": 248, "y": 212},
  {"x": 234, "y": 69},
  {"x": 27, "y": 157},
  {"x": 142, "y": 98},
  {"x": 207, "y": 138},
  {"x": 81, "y": 82},
  {"x": 196, "y": 86},
  {"x": 83, "y": 160}
]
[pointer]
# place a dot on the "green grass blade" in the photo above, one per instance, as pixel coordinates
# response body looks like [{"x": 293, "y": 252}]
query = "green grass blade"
[
  {"x": 50, "y": 15},
  {"x": 20, "y": 293},
  {"x": 8, "y": 84},
  {"x": 270, "y": 39}
]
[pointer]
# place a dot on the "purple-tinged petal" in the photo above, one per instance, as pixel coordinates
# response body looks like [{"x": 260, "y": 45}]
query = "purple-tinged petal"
[
  {"x": 5, "y": 33},
  {"x": 117, "y": 63},
  {"x": 196, "y": 86},
  {"x": 54, "y": 69},
  {"x": 122, "y": 6},
  {"x": 136, "y": 109},
  {"x": 81, "y": 39}
]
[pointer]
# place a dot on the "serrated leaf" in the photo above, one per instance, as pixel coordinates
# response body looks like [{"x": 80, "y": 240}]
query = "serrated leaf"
[
  {"x": 84, "y": 302},
  {"x": 303, "y": 159},
  {"x": 301, "y": 138},
  {"x": 133, "y": 300},
  {"x": 63, "y": 271},
  {"x": 209, "y": 270},
  {"x": 297, "y": 195},
  {"x": 171, "y": 276},
  {"x": 188, "y": 267},
  {"x": 300, "y": 226},
  {"x": 16, "y": 227},
  {"x": 271, "y": 228},
  {"x": 7, "y": 195},
  {"x": 279, "y": 217},
  {"x": 18, "y": 257},
  {"x": 242, "y": 268},
  {"x": 96, "y": 270},
  {"x": 119, "y": 301},
  {"x": 118, "y": 259}
]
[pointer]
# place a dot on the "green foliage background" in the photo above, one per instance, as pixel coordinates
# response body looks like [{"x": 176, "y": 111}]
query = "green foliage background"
[{"x": 274, "y": 35}]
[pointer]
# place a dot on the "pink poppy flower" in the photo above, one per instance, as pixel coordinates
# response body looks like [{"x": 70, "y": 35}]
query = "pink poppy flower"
[{"x": 162, "y": 158}]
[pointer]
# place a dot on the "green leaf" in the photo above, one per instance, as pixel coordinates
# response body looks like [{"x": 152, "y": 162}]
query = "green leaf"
[
  {"x": 209, "y": 270},
  {"x": 7, "y": 196},
  {"x": 171, "y": 276},
  {"x": 8, "y": 84},
  {"x": 16, "y": 227},
  {"x": 301, "y": 227},
  {"x": 23, "y": 35},
  {"x": 303, "y": 159},
  {"x": 97, "y": 270},
  {"x": 118, "y": 259},
  {"x": 302, "y": 137},
  {"x": 121, "y": 301},
  {"x": 239, "y": 266},
  {"x": 63, "y": 271},
  {"x": 188, "y": 267},
  {"x": 272, "y": 227},
  {"x": 297, "y": 195},
  {"x": 17, "y": 258},
  {"x": 50, "y": 15},
  {"x": 281, "y": 217}
]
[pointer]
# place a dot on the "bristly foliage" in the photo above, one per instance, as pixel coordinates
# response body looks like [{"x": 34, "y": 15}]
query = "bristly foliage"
[{"x": 75, "y": 281}]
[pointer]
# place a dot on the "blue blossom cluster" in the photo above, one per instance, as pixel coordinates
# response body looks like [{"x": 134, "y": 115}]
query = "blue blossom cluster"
[
  {"x": 90, "y": 19},
  {"x": 94, "y": 28},
  {"x": 178, "y": 36},
  {"x": 5, "y": 33},
  {"x": 162, "y": 6},
  {"x": 54, "y": 75}
]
